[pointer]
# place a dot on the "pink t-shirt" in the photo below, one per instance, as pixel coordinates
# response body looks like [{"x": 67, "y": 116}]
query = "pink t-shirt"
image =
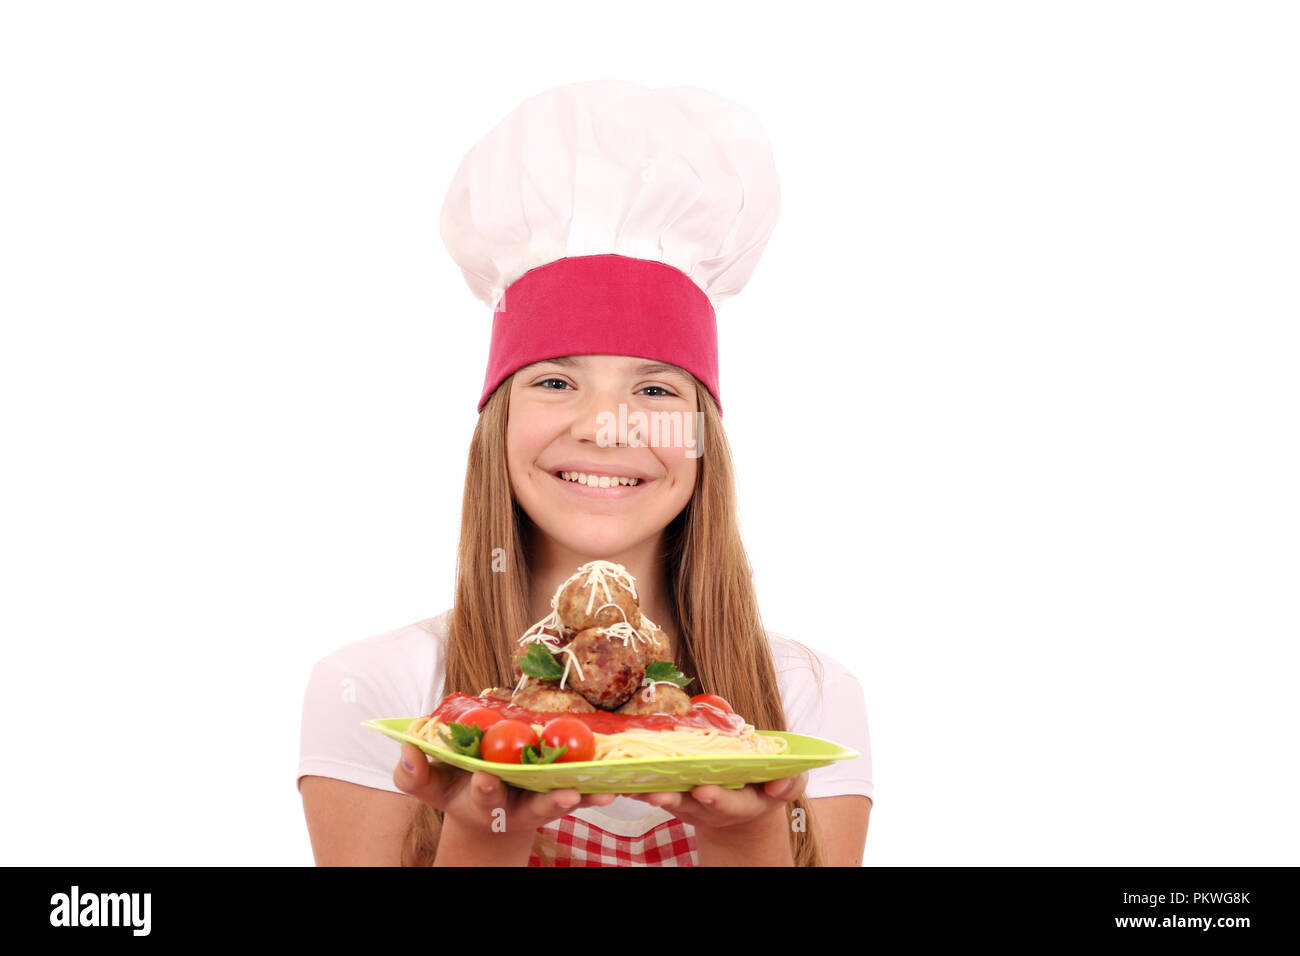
[{"x": 400, "y": 674}]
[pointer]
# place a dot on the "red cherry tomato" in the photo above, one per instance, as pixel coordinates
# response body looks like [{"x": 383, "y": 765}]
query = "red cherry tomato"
[
  {"x": 505, "y": 741},
  {"x": 484, "y": 717},
  {"x": 712, "y": 699},
  {"x": 573, "y": 734}
]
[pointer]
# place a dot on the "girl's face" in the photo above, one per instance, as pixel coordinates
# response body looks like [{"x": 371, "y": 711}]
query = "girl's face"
[{"x": 556, "y": 426}]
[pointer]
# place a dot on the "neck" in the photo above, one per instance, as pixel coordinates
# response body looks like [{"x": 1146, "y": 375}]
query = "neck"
[{"x": 553, "y": 564}]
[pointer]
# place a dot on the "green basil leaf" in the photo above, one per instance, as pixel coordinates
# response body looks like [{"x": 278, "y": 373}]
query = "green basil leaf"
[
  {"x": 666, "y": 670},
  {"x": 464, "y": 739},
  {"x": 547, "y": 754},
  {"x": 539, "y": 662}
]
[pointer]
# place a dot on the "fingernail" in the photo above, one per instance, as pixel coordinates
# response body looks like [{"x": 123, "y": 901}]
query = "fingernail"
[
  {"x": 565, "y": 804},
  {"x": 409, "y": 767}
]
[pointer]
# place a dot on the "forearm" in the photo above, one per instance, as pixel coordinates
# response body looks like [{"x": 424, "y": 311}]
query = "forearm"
[
  {"x": 762, "y": 842},
  {"x": 458, "y": 846}
]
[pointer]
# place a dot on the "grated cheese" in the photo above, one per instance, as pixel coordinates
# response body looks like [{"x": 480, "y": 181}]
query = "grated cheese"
[
  {"x": 623, "y": 631},
  {"x": 648, "y": 695},
  {"x": 599, "y": 574}
]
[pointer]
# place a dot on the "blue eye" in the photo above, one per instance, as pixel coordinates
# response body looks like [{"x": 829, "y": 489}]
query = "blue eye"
[{"x": 560, "y": 385}]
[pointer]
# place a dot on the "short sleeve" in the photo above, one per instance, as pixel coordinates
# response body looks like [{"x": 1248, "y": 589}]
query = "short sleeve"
[
  {"x": 396, "y": 674},
  {"x": 822, "y": 698}
]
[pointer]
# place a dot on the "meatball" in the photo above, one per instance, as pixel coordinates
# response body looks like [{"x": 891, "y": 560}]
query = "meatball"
[
  {"x": 653, "y": 645},
  {"x": 497, "y": 693},
  {"x": 611, "y": 669},
  {"x": 547, "y": 697},
  {"x": 658, "y": 699},
  {"x": 598, "y": 596}
]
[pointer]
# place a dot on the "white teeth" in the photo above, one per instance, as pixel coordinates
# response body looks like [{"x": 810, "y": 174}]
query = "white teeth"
[{"x": 598, "y": 481}]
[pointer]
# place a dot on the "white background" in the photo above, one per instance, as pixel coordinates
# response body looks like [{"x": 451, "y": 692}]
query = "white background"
[{"x": 1013, "y": 397}]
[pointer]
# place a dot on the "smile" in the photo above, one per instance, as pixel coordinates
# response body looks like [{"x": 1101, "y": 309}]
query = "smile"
[{"x": 598, "y": 481}]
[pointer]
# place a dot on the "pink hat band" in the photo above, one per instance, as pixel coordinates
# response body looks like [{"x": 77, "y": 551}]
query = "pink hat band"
[{"x": 604, "y": 305}]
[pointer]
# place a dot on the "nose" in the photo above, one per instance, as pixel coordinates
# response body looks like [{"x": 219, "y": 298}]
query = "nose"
[{"x": 596, "y": 417}]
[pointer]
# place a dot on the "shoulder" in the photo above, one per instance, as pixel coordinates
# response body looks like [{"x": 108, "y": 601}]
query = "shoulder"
[
  {"x": 804, "y": 671},
  {"x": 390, "y": 658},
  {"x": 422, "y": 637},
  {"x": 397, "y": 673},
  {"x": 823, "y": 698}
]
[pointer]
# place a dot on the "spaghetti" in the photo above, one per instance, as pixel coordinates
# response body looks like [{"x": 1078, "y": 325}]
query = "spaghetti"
[
  {"x": 690, "y": 742},
  {"x": 706, "y": 731}
]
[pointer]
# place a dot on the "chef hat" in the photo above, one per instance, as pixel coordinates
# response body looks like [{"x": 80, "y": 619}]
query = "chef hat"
[{"x": 606, "y": 218}]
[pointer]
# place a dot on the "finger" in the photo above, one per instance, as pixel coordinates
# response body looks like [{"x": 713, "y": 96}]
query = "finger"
[
  {"x": 555, "y": 803},
  {"x": 487, "y": 790},
  {"x": 715, "y": 797},
  {"x": 721, "y": 803},
  {"x": 414, "y": 761},
  {"x": 787, "y": 788},
  {"x": 599, "y": 799},
  {"x": 424, "y": 778},
  {"x": 667, "y": 801},
  {"x": 414, "y": 773}
]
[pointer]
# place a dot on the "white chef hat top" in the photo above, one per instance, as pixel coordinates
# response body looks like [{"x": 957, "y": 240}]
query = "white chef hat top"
[{"x": 677, "y": 176}]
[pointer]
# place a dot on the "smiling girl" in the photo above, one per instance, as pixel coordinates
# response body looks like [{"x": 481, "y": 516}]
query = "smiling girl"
[{"x": 602, "y": 221}]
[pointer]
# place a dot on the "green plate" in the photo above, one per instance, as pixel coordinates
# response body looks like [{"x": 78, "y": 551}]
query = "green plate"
[{"x": 644, "y": 774}]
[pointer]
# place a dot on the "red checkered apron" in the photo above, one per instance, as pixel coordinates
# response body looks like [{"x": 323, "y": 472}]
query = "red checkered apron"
[{"x": 579, "y": 843}]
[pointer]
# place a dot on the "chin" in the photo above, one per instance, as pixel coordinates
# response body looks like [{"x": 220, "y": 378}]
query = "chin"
[{"x": 598, "y": 543}]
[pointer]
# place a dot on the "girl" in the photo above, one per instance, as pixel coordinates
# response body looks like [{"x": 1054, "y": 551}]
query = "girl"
[{"x": 592, "y": 334}]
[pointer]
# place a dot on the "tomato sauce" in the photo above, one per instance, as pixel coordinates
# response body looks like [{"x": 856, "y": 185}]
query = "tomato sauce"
[{"x": 702, "y": 717}]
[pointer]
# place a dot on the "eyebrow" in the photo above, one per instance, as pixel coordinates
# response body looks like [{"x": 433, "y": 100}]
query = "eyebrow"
[{"x": 647, "y": 368}]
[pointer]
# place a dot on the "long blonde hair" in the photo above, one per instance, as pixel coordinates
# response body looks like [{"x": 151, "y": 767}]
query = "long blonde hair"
[{"x": 721, "y": 639}]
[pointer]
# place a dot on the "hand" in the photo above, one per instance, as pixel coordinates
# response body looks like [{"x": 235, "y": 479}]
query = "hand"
[
  {"x": 745, "y": 827},
  {"x": 474, "y": 800},
  {"x": 710, "y": 807}
]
